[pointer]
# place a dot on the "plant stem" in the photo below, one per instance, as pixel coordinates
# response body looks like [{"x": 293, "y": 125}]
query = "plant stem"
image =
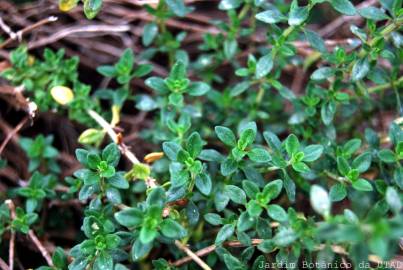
[
  {"x": 40, "y": 247},
  {"x": 244, "y": 11},
  {"x": 11, "y": 207},
  {"x": 255, "y": 242},
  {"x": 336, "y": 177},
  {"x": 384, "y": 86},
  {"x": 192, "y": 255}
]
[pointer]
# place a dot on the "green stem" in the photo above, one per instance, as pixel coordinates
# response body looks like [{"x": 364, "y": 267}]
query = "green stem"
[
  {"x": 398, "y": 101},
  {"x": 384, "y": 86},
  {"x": 335, "y": 177},
  {"x": 244, "y": 11},
  {"x": 385, "y": 32},
  {"x": 259, "y": 96}
]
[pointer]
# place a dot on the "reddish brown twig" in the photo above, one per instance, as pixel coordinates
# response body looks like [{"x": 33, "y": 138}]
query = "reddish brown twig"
[
  {"x": 207, "y": 250},
  {"x": 11, "y": 206},
  {"x": 28, "y": 29},
  {"x": 78, "y": 29},
  {"x": 40, "y": 247},
  {"x": 254, "y": 242},
  {"x": 3, "y": 265},
  {"x": 192, "y": 256},
  {"x": 12, "y": 133}
]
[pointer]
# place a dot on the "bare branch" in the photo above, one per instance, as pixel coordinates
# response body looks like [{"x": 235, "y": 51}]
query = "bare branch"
[
  {"x": 40, "y": 247},
  {"x": 28, "y": 29},
  {"x": 11, "y": 206},
  {"x": 193, "y": 256}
]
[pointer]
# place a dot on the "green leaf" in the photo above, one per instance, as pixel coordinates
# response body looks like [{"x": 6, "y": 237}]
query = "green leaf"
[
  {"x": 246, "y": 138},
  {"x": 362, "y": 162},
  {"x": 157, "y": 84},
  {"x": 233, "y": 263},
  {"x": 156, "y": 197},
  {"x": 360, "y": 33},
  {"x": 198, "y": 88},
  {"x": 254, "y": 209},
  {"x": 245, "y": 222},
  {"x": 177, "y": 7},
  {"x": 360, "y": 69},
  {"x": 59, "y": 258},
  {"x": 289, "y": 186},
  {"x": 297, "y": 14},
  {"x": 211, "y": 155},
  {"x": 277, "y": 213},
  {"x": 285, "y": 237},
  {"x": 171, "y": 149},
  {"x": 107, "y": 71},
  {"x": 312, "y": 152},
  {"x": 273, "y": 189},
  {"x": 271, "y": 15},
  {"x": 327, "y": 112},
  {"x": 172, "y": 229},
  {"x": 150, "y": 31},
  {"x": 320, "y": 200},
  {"x": 351, "y": 147},
  {"x": 264, "y": 66},
  {"x": 176, "y": 99},
  {"x": 104, "y": 261},
  {"x": 79, "y": 263},
  {"x": 292, "y": 144},
  {"x": 178, "y": 71},
  {"x": 126, "y": 62},
  {"x": 300, "y": 167},
  {"x": 230, "y": 48},
  {"x": 337, "y": 192},
  {"x": 194, "y": 144},
  {"x": 236, "y": 194},
  {"x": 393, "y": 199},
  {"x": 362, "y": 185},
  {"x": 113, "y": 195},
  {"x": 93, "y": 160},
  {"x": 343, "y": 6},
  {"x": 239, "y": 88},
  {"x": 129, "y": 217},
  {"x": 91, "y": 8},
  {"x": 203, "y": 183},
  {"x": 147, "y": 235},
  {"x": 111, "y": 154},
  {"x": 142, "y": 70},
  {"x": 373, "y": 13},
  {"x": 343, "y": 166},
  {"x": 224, "y": 233},
  {"x": 140, "y": 250},
  {"x": 229, "y": 4},
  {"x": 316, "y": 42},
  {"x": 260, "y": 155},
  {"x": 228, "y": 167},
  {"x": 266, "y": 246},
  {"x": 225, "y": 135},
  {"x": 250, "y": 188},
  {"x": 213, "y": 218},
  {"x": 387, "y": 156},
  {"x": 322, "y": 73}
]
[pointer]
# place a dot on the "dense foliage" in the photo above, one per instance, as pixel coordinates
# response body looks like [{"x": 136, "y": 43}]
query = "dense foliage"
[{"x": 242, "y": 161}]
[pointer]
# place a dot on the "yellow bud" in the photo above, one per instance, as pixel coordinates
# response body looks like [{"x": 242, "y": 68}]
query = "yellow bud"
[
  {"x": 115, "y": 115},
  {"x": 66, "y": 5},
  {"x": 62, "y": 94},
  {"x": 153, "y": 157},
  {"x": 31, "y": 60},
  {"x": 91, "y": 135}
]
